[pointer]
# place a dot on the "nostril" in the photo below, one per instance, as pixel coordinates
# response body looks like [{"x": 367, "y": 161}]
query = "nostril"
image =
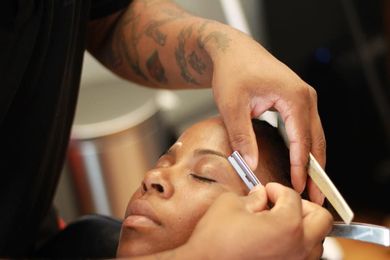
[
  {"x": 144, "y": 188},
  {"x": 158, "y": 187}
]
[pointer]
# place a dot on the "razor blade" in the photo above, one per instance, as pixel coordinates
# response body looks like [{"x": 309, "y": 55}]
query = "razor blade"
[
  {"x": 363, "y": 232},
  {"x": 243, "y": 170}
]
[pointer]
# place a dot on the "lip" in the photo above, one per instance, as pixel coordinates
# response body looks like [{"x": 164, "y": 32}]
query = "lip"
[{"x": 141, "y": 209}]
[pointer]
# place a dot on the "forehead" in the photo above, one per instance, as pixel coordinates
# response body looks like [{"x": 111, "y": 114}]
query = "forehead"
[{"x": 208, "y": 134}]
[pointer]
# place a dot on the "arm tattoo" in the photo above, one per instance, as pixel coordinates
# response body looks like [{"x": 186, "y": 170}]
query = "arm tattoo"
[
  {"x": 153, "y": 28},
  {"x": 180, "y": 55},
  {"x": 221, "y": 39},
  {"x": 155, "y": 68},
  {"x": 131, "y": 54},
  {"x": 196, "y": 63},
  {"x": 123, "y": 47},
  {"x": 128, "y": 49},
  {"x": 153, "y": 31}
]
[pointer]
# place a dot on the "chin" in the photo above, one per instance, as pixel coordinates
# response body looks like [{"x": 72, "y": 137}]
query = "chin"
[
  {"x": 140, "y": 249},
  {"x": 133, "y": 249},
  {"x": 140, "y": 246}
]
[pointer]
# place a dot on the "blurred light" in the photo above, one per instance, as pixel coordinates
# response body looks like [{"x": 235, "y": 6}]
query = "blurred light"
[{"x": 167, "y": 100}]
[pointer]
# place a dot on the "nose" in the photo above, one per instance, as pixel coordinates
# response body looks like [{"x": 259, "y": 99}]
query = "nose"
[{"x": 157, "y": 181}]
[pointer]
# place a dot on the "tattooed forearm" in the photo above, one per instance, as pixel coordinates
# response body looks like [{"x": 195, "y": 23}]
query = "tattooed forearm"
[
  {"x": 153, "y": 32},
  {"x": 124, "y": 46},
  {"x": 196, "y": 63},
  {"x": 130, "y": 49},
  {"x": 220, "y": 39},
  {"x": 180, "y": 55},
  {"x": 153, "y": 28},
  {"x": 144, "y": 34},
  {"x": 155, "y": 68}
]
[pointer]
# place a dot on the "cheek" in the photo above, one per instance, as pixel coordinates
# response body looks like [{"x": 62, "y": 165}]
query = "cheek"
[{"x": 191, "y": 209}]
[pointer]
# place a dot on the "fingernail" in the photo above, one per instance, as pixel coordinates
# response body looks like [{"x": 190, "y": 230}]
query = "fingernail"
[
  {"x": 302, "y": 188},
  {"x": 249, "y": 161},
  {"x": 299, "y": 187},
  {"x": 256, "y": 188}
]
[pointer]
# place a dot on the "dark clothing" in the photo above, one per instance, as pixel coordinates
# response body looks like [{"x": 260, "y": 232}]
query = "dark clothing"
[
  {"x": 41, "y": 51},
  {"x": 91, "y": 236}
]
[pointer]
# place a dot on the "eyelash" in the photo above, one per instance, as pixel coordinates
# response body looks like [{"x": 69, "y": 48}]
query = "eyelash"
[{"x": 203, "y": 179}]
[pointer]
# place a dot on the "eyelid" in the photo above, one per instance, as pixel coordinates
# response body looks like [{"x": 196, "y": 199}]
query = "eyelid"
[{"x": 201, "y": 178}]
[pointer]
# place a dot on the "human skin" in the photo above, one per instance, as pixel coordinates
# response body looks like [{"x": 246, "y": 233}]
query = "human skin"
[
  {"x": 157, "y": 44},
  {"x": 176, "y": 193}
]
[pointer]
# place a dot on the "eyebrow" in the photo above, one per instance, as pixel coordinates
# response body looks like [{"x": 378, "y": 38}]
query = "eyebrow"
[{"x": 198, "y": 152}]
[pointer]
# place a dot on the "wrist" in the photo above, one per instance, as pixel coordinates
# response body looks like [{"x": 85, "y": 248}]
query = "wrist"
[{"x": 218, "y": 39}]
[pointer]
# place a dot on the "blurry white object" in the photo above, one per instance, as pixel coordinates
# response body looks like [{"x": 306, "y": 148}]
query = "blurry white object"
[
  {"x": 118, "y": 134},
  {"x": 235, "y": 15},
  {"x": 167, "y": 100},
  {"x": 332, "y": 250}
]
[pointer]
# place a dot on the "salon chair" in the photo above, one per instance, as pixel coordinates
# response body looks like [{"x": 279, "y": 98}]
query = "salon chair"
[{"x": 91, "y": 236}]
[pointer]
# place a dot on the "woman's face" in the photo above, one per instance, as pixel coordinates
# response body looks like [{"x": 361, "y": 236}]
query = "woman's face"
[{"x": 175, "y": 194}]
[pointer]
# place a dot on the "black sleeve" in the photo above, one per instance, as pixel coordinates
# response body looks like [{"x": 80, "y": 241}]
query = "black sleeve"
[{"x": 102, "y": 8}]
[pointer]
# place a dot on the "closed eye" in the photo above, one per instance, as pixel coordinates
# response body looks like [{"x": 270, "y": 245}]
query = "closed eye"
[{"x": 201, "y": 178}]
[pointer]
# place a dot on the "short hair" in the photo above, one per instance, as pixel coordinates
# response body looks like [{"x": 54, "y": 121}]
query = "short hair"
[
  {"x": 276, "y": 152},
  {"x": 278, "y": 156}
]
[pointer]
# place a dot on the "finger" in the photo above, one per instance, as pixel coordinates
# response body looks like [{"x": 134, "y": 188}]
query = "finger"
[
  {"x": 308, "y": 207},
  {"x": 318, "y": 141},
  {"x": 316, "y": 252},
  {"x": 315, "y": 194},
  {"x": 296, "y": 115},
  {"x": 318, "y": 147},
  {"x": 256, "y": 200},
  {"x": 317, "y": 222},
  {"x": 287, "y": 202},
  {"x": 237, "y": 119}
]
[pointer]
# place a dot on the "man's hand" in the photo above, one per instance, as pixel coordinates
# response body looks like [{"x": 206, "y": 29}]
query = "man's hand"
[
  {"x": 247, "y": 81},
  {"x": 243, "y": 228}
]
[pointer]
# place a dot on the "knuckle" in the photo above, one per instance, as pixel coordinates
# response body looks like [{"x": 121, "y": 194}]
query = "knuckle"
[
  {"x": 328, "y": 218},
  {"x": 295, "y": 229},
  {"x": 307, "y": 141},
  {"x": 307, "y": 97},
  {"x": 313, "y": 93},
  {"x": 304, "y": 91},
  {"x": 320, "y": 144},
  {"x": 240, "y": 139}
]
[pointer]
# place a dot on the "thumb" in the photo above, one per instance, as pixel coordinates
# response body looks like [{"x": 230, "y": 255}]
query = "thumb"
[{"x": 256, "y": 200}]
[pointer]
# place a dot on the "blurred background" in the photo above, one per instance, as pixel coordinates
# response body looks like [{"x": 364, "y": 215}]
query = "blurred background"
[{"x": 338, "y": 46}]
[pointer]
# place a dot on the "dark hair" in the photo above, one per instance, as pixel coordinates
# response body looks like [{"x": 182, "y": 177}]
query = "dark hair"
[{"x": 274, "y": 149}]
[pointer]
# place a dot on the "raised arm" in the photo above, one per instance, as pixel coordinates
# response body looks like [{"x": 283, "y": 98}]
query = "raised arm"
[{"x": 158, "y": 44}]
